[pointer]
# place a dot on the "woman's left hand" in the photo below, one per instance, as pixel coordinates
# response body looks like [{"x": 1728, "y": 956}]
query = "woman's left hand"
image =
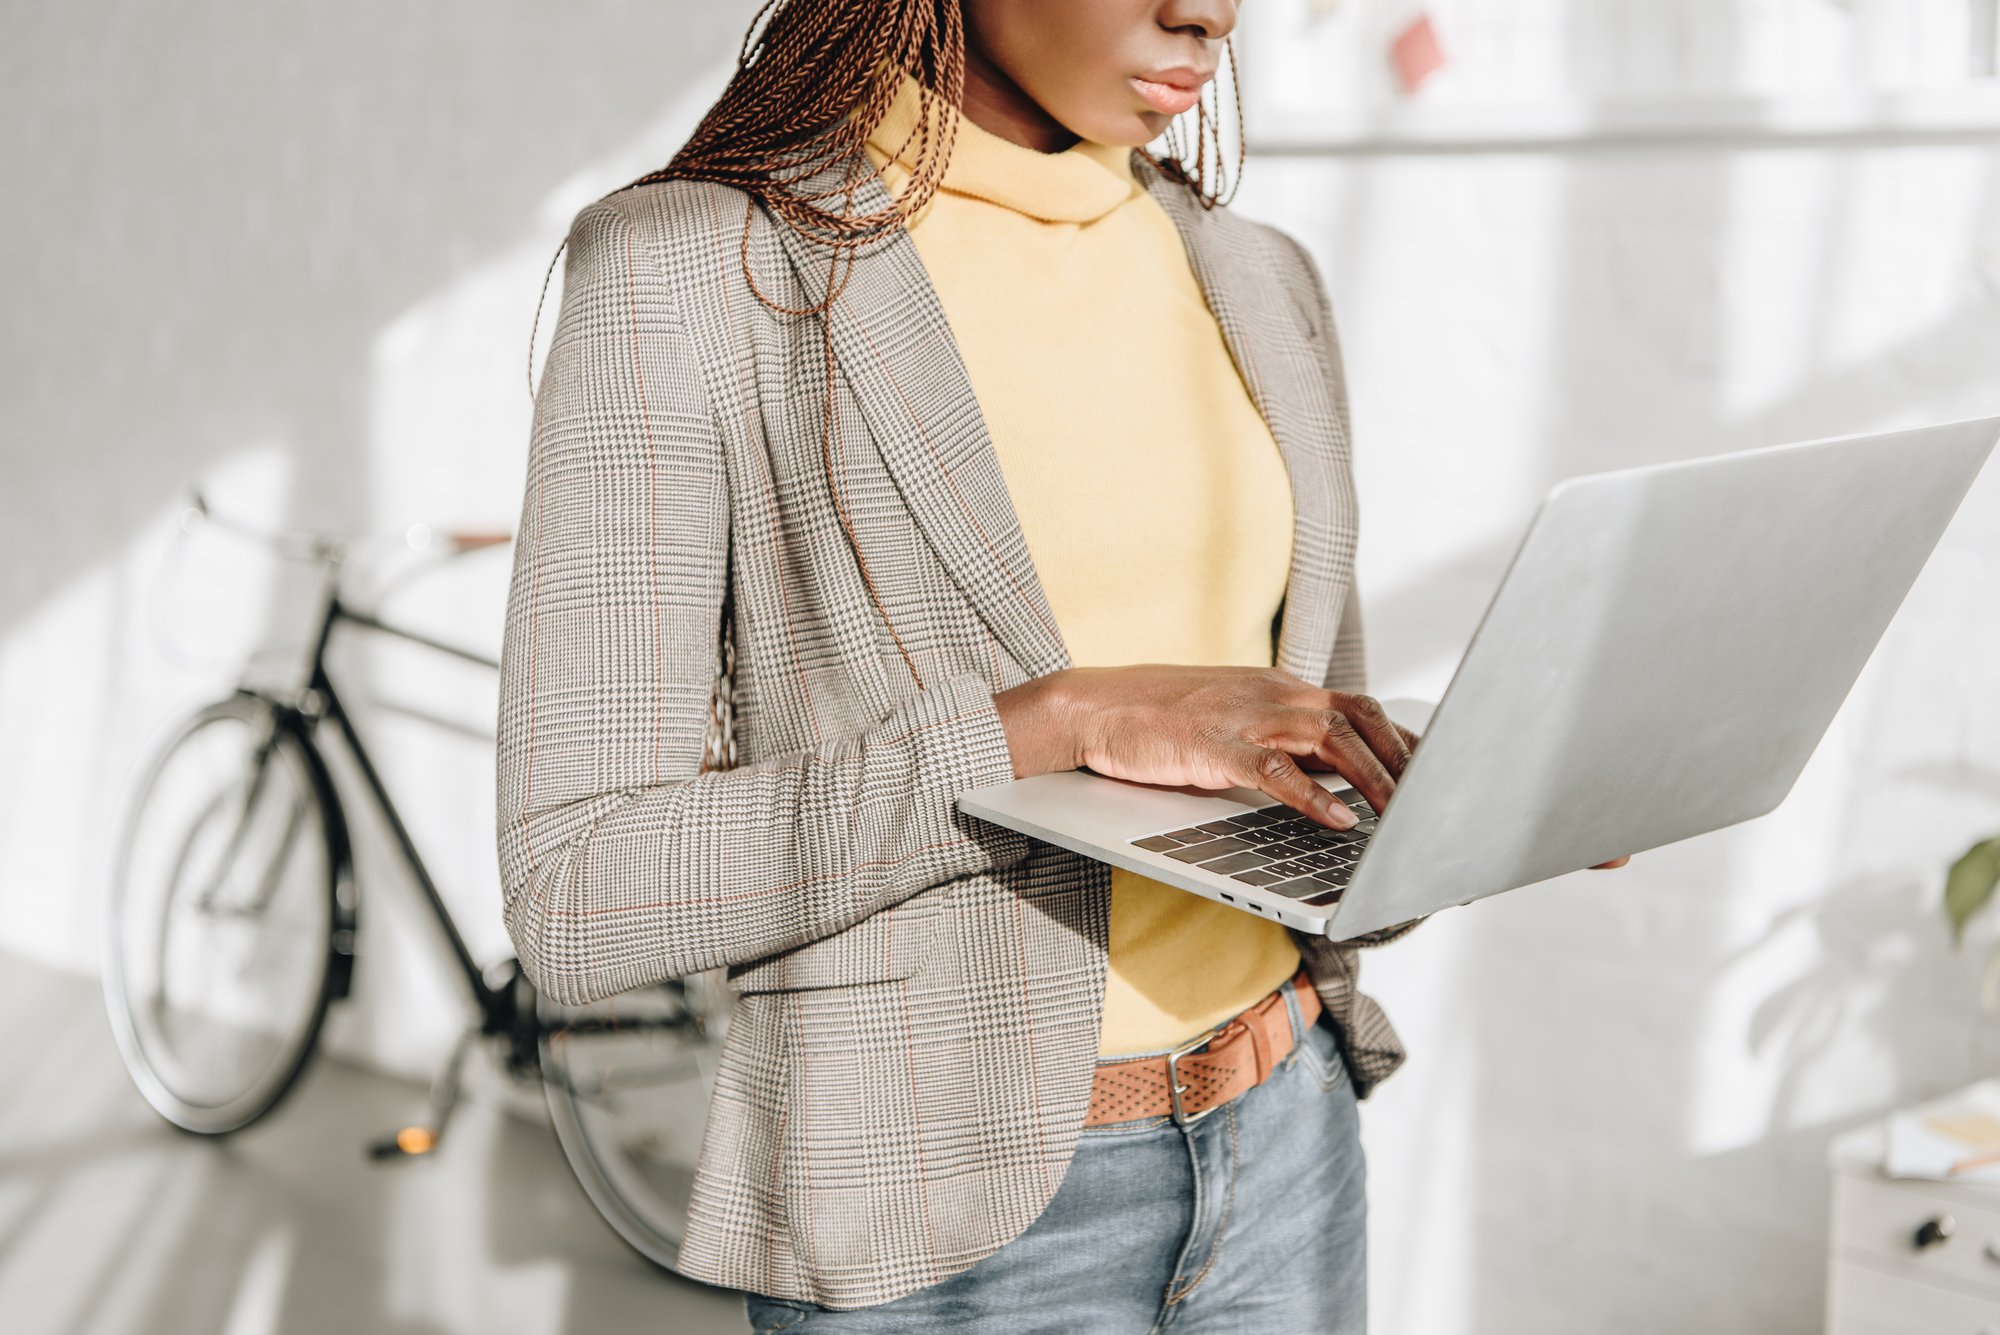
[{"x": 1410, "y": 739}]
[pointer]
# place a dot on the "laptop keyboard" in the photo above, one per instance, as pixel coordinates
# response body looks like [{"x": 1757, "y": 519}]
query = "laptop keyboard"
[{"x": 1274, "y": 848}]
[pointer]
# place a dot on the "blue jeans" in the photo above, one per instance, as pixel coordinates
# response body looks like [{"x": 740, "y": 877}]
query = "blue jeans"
[{"x": 1252, "y": 1219}]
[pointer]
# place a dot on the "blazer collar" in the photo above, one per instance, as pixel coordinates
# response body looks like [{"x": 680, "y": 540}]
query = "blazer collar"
[{"x": 901, "y": 363}]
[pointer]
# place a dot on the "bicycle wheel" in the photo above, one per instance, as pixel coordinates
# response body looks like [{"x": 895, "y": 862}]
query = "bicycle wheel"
[
  {"x": 627, "y": 1083},
  {"x": 220, "y": 919}
]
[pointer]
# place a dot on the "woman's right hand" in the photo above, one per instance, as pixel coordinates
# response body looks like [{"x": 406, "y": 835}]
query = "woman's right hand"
[{"x": 1208, "y": 727}]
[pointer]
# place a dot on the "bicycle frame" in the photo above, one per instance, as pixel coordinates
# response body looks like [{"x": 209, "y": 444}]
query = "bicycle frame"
[
  {"x": 528, "y": 1027},
  {"x": 500, "y": 1006}
]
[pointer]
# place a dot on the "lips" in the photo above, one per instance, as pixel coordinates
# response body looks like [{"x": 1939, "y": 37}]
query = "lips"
[{"x": 1173, "y": 91}]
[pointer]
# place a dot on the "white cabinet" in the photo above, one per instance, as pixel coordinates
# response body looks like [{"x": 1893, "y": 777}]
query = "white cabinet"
[{"x": 1909, "y": 1256}]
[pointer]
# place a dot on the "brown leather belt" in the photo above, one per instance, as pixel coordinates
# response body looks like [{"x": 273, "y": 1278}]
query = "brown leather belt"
[{"x": 1186, "y": 1084}]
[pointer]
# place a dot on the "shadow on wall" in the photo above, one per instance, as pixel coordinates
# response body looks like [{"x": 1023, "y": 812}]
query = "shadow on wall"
[
  {"x": 233, "y": 205},
  {"x": 297, "y": 256},
  {"x": 1622, "y": 1084},
  {"x": 1712, "y": 1022}
]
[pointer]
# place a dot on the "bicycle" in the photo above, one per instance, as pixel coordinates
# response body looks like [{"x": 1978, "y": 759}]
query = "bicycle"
[{"x": 232, "y": 915}]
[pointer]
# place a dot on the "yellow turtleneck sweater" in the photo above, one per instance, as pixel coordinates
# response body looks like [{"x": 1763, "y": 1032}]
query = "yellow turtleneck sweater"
[{"x": 1152, "y": 497}]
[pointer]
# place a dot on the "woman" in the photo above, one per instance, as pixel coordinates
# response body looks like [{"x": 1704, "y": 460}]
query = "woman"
[{"x": 914, "y": 378}]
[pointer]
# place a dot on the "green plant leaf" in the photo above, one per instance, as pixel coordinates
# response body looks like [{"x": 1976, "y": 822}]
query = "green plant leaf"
[{"x": 1970, "y": 883}]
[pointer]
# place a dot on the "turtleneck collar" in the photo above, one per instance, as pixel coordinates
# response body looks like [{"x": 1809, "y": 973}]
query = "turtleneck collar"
[{"x": 1079, "y": 184}]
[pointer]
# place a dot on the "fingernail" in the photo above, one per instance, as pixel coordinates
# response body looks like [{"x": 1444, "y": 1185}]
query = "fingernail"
[{"x": 1342, "y": 817}]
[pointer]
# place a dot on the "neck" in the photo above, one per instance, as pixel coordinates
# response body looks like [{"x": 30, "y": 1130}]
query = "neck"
[{"x": 998, "y": 105}]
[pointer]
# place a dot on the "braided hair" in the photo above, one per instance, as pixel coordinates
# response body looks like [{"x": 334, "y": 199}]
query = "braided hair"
[{"x": 808, "y": 91}]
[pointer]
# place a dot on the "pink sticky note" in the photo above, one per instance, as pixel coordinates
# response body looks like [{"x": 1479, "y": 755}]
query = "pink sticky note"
[{"x": 1415, "y": 53}]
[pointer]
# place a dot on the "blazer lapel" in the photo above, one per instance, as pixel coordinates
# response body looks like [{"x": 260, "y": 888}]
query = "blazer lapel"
[{"x": 901, "y": 363}]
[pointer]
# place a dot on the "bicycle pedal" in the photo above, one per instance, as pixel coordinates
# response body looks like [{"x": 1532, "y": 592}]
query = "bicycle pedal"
[{"x": 412, "y": 1142}]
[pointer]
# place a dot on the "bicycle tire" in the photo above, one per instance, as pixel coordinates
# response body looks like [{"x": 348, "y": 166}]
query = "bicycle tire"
[
  {"x": 655, "y": 1233},
  {"x": 291, "y": 739}
]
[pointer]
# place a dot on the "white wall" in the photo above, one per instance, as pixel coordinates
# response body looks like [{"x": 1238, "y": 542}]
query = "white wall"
[
  {"x": 1622, "y": 1083},
  {"x": 271, "y": 248},
  {"x": 290, "y": 252}
]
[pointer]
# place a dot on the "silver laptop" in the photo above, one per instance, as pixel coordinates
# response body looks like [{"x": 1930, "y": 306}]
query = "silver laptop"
[{"x": 1664, "y": 653}]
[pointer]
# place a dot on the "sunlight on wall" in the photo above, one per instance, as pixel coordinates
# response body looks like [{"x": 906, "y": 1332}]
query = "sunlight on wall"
[
  {"x": 1784, "y": 862},
  {"x": 1421, "y": 1132},
  {"x": 1782, "y": 278},
  {"x": 93, "y": 679},
  {"x": 1665, "y": 1049},
  {"x": 1908, "y": 220}
]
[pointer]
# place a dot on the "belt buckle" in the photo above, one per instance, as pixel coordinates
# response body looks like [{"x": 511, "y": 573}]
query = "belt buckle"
[{"x": 1174, "y": 1086}]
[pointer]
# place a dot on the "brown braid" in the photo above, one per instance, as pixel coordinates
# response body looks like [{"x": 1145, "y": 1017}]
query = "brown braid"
[{"x": 807, "y": 92}]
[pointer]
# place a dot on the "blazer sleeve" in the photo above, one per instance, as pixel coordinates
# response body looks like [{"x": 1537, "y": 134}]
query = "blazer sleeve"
[
  {"x": 621, "y": 866},
  {"x": 1347, "y": 670}
]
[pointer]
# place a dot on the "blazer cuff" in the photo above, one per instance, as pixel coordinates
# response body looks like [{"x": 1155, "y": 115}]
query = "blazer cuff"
[{"x": 960, "y": 743}]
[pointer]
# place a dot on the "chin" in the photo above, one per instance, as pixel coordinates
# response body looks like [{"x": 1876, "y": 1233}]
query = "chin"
[{"x": 1135, "y": 131}]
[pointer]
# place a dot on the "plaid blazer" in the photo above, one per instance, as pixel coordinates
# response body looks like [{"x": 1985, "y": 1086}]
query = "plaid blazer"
[{"x": 910, "y": 1055}]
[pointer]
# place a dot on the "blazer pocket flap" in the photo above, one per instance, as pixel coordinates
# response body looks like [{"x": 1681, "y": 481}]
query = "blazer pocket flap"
[{"x": 883, "y": 947}]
